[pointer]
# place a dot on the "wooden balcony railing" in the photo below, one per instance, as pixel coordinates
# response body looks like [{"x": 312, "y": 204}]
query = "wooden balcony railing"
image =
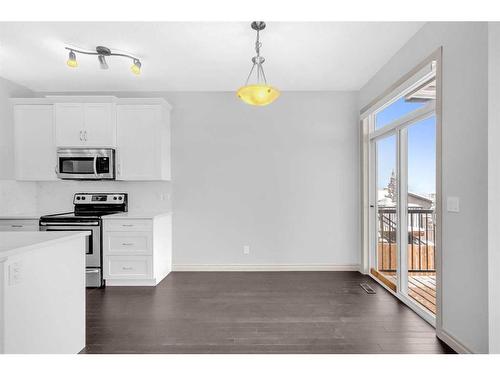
[{"x": 420, "y": 244}]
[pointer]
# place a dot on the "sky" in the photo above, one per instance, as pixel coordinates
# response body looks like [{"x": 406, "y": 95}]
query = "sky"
[{"x": 421, "y": 149}]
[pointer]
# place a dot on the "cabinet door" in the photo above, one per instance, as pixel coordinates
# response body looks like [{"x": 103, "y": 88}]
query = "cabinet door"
[
  {"x": 69, "y": 124},
  {"x": 138, "y": 142},
  {"x": 35, "y": 151},
  {"x": 100, "y": 125}
]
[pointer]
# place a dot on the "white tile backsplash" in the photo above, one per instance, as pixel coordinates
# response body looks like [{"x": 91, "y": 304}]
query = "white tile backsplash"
[
  {"x": 57, "y": 196},
  {"x": 17, "y": 197}
]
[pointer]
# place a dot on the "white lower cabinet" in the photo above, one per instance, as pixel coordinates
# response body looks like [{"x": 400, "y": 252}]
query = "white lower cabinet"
[
  {"x": 19, "y": 225},
  {"x": 137, "y": 251}
]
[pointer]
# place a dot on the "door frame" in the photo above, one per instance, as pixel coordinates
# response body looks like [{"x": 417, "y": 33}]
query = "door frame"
[{"x": 367, "y": 133}]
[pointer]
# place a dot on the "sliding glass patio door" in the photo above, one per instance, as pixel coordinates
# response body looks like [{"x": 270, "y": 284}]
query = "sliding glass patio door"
[
  {"x": 402, "y": 194},
  {"x": 420, "y": 276},
  {"x": 386, "y": 252}
]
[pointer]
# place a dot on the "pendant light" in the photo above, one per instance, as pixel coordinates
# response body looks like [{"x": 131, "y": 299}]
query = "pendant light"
[{"x": 258, "y": 93}]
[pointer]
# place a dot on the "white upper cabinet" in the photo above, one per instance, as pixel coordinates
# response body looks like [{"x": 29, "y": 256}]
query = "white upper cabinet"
[
  {"x": 100, "y": 124},
  {"x": 137, "y": 128},
  {"x": 69, "y": 124},
  {"x": 85, "y": 124},
  {"x": 35, "y": 150},
  {"x": 143, "y": 142}
]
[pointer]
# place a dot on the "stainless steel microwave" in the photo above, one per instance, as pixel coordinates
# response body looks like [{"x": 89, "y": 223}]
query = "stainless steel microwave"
[{"x": 85, "y": 163}]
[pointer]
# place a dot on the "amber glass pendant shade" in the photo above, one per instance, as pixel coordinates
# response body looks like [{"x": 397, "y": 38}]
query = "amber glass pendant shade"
[{"x": 258, "y": 94}]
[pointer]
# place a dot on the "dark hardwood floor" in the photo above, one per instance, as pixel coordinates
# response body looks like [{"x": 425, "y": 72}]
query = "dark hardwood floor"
[{"x": 255, "y": 312}]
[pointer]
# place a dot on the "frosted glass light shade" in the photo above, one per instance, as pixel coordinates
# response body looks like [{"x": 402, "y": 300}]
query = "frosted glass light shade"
[{"x": 258, "y": 94}]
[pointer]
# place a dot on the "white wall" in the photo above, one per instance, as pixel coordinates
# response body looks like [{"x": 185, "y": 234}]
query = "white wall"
[
  {"x": 494, "y": 185},
  {"x": 14, "y": 195},
  {"x": 464, "y": 161},
  {"x": 282, "y": 179}
]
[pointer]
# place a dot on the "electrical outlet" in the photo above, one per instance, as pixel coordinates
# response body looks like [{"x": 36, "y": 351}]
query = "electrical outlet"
[
  {"x": 15, "y": 273},
  {"x": 246, "y": 249}
]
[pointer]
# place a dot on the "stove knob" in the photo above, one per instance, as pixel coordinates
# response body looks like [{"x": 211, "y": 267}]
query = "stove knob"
[
  {"x": 114, "y": 198},
  {"x": 120, "y": 198},
  {"x": 78, "y": 198}
]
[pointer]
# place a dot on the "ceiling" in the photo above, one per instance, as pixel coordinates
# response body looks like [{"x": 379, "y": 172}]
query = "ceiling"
[{"x": 199, "y": 56}]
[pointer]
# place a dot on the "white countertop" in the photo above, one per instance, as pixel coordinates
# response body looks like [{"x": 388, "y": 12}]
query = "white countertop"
[
  {"x": 137, "y": 215},
  {"x": 18, "y": 242},
  {"x": 23, "y": 216}
]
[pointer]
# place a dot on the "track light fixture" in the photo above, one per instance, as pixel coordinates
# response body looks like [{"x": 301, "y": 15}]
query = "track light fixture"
[
  {"x": 101, "y": 53},
  {"x": 258, "y": 93}
]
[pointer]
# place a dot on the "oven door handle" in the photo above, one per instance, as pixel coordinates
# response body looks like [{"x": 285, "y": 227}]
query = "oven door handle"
[{"x": 91, "y": 223}]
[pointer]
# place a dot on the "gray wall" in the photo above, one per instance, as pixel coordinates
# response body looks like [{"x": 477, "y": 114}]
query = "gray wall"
[
  {"x": 464, "y": 161},
  {"x": 494, "y": 185},
  {"x": 282, "y": 179}
]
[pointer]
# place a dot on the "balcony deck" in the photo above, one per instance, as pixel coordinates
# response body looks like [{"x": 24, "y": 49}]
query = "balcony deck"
[
  {"x": 420, "y": 254},
  {"x": 421, "y": 288}
]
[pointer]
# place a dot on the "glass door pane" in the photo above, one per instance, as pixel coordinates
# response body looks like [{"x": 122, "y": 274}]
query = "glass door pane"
[
  {"x": 421, "y": 218},
  {"x": 386, "y": 254}
]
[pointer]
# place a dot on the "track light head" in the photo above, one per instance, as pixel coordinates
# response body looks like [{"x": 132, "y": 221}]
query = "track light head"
[
  {"x": 136, "y": 68},
  {"x": 102, "y": 62},
  {"x": 72, "y": 63}
]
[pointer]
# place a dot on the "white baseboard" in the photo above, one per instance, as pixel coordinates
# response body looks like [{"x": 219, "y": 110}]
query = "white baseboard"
[
  {"x": 131, "y": 282},
  {"x": 262, "y": 267},
  {"x": 452, "y": 342}
]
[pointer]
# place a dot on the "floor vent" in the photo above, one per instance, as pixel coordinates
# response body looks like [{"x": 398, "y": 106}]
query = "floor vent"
[{"x": 367, "y": 288}]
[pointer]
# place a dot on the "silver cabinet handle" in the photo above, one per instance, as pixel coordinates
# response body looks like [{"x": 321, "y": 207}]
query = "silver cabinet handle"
[
  {"x": 17, "y": 226},
  {"x": 127, "y": 244},
  {"x": 81, "y": 135},
  {"x": 127, "y": 225},
  {"x": 85, "y": 135},
  {"x": 127, "y": 268}
]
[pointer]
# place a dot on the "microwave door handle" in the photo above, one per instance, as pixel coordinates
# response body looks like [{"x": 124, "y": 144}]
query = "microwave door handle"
[{"x": 95, "y": 166}]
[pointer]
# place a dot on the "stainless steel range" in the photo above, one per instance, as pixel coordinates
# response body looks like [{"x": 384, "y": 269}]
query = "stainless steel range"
[{"x": 89, "y": 209}]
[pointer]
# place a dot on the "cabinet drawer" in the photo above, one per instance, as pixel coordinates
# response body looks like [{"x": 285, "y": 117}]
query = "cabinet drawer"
[
  {"x": 127, "y": 243},
  {"x": 128, "y": 267},
  {"x": 128, "y": 225}
]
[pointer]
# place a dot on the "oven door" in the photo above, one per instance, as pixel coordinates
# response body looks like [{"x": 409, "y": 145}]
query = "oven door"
[
  {"x": 93, "y": 246},
  {"x": 85, "y": 164}
]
